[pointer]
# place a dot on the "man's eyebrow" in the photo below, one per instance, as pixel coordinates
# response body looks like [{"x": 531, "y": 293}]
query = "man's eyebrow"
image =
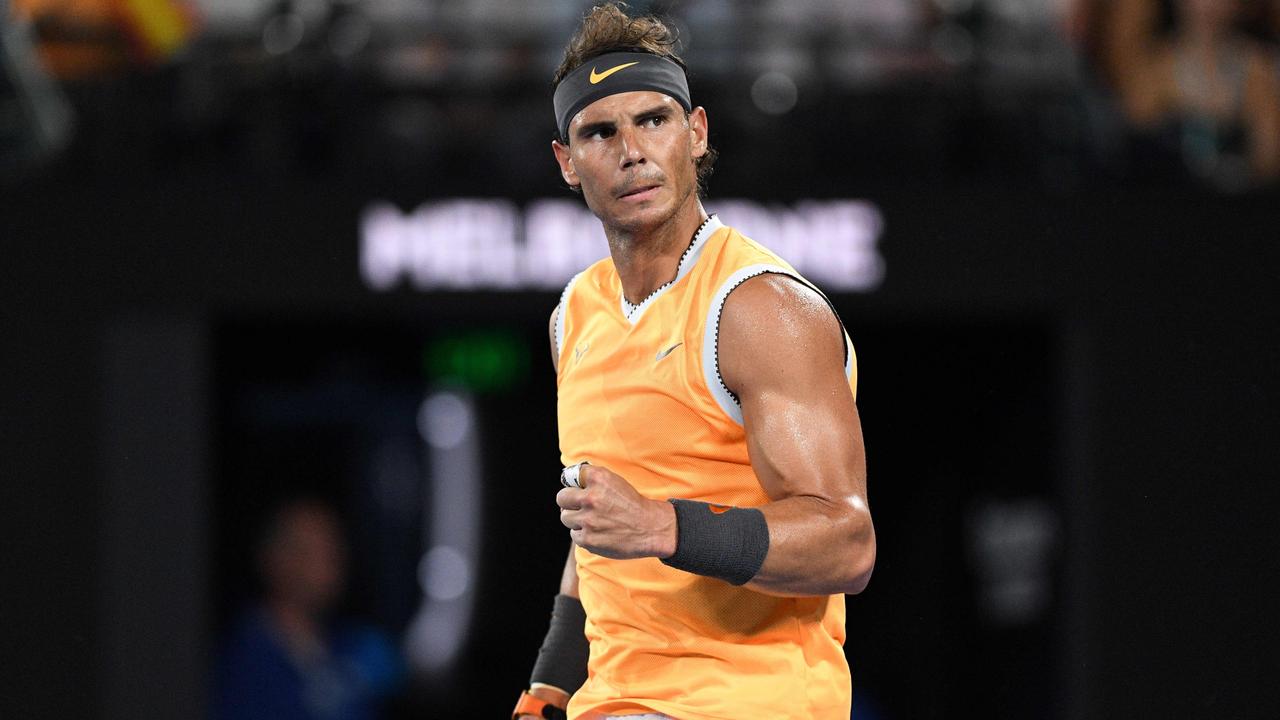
[
  {"x": 590, "y": 129},
  {"x": 655, "y": 111}
]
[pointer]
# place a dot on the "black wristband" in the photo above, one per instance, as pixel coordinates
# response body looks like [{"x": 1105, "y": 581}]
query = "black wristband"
[
  {"x": 562, "y": 661},
  {"x": 729, "y": 544}
]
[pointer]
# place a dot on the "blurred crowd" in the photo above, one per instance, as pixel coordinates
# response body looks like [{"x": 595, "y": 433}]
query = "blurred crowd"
[
  {"x": 1140, "y": 90},
  {"x": 1145, "y": 90},
  {"x": 1198, "y": 82}
]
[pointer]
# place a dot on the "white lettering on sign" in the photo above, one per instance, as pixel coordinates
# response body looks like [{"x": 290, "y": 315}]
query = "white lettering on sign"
[{"x": 469, "y": 244}]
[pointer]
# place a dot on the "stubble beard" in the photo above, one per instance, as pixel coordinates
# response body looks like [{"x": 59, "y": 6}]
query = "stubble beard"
[{"x": 628, "y": 232}]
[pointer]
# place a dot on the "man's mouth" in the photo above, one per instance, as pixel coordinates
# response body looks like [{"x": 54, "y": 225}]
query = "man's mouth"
[{"x": 640, "y": 192}]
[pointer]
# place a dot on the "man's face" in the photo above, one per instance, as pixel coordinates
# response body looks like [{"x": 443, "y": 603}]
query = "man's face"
[{"x": 633, "y": 156}]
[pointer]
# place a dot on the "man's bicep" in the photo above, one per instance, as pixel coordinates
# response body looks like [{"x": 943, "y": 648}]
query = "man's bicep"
[
  {"x": 783, "y": 352},
  {"x": 800, "y": 447}
]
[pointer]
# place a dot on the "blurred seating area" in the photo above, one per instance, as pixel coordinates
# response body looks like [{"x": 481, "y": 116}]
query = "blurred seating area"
[
  {"x": 1199, "y": 83},
  {"x": 1060, "y": 93}
]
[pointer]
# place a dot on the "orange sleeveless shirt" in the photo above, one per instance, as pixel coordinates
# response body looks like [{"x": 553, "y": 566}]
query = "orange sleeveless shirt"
[{"x": 639, "y": 392}]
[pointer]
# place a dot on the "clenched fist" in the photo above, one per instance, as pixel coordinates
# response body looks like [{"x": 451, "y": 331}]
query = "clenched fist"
[{"x": 609, "y": 518}]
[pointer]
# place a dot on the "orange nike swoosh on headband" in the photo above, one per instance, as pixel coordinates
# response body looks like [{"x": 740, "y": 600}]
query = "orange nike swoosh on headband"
[{"x": 597, "y": 77}]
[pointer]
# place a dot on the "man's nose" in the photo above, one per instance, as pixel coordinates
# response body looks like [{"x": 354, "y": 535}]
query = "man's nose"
[{"x": 632, "y": 153}]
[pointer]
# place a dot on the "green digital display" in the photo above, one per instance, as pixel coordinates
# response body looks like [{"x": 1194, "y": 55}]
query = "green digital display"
[{"x": 483, "y": 361}]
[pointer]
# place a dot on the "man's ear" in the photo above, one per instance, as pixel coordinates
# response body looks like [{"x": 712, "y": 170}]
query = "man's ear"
[
  {"x": 698, "y": 131},
  {"x": 565, "y": 160}
]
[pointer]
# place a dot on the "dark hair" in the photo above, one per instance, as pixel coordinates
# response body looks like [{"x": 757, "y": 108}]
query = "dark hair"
[{"x": 607, "y": 28}]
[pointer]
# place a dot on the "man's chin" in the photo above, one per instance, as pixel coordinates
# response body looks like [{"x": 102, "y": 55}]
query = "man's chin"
[{"x": 633, "y": 218}]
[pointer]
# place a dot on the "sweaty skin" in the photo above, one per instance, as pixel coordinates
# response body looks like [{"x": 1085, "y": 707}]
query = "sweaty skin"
[
  {"x": 633, "y": 154},
  {"x": 804, "y": 436}
]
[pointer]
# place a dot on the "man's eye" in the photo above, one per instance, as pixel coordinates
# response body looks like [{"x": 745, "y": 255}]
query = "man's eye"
[{"x": 655, "y": 121}]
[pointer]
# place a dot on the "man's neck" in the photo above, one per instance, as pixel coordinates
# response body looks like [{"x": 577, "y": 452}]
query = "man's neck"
[{"x": 649, "y": 259}]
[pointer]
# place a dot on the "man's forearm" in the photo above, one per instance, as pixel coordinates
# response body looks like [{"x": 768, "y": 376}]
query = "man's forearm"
[
  {"x": 543, "y": 683},
  {"x": 569, "y": 578},
  {"x": 817, "y": 546}
]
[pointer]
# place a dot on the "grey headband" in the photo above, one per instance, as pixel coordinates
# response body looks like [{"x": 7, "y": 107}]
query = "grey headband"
[{"x": 615, "y": 73}]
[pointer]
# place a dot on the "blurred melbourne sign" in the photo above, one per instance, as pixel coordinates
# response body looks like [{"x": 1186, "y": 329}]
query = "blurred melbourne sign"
[{"x": 472, "y": 244}]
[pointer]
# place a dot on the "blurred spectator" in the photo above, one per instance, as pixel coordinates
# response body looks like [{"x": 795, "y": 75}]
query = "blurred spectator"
[
  {"x": 81, "y": 38},
  {"x": 76, "y": 38},
  {"x": 1203, "y": 91},
  {"x": 286, "y": 658}
]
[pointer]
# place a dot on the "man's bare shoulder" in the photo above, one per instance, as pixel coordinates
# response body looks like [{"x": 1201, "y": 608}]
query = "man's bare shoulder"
[
  {"x": 773, "y": 323},
  {"x": 777, "y": 306}
]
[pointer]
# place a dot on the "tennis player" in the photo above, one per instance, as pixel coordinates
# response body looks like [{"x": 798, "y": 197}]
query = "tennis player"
[{"x": 716, "y": 486}]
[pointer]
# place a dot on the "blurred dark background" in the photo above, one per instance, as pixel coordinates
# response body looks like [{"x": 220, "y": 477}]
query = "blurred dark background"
[{"x": 255, "y": 249}]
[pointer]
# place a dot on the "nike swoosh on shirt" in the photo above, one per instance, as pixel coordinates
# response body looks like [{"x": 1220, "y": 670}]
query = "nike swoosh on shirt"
[
  {"x": 663, "y": 353},
  {"x": 597, "y": 77}
]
